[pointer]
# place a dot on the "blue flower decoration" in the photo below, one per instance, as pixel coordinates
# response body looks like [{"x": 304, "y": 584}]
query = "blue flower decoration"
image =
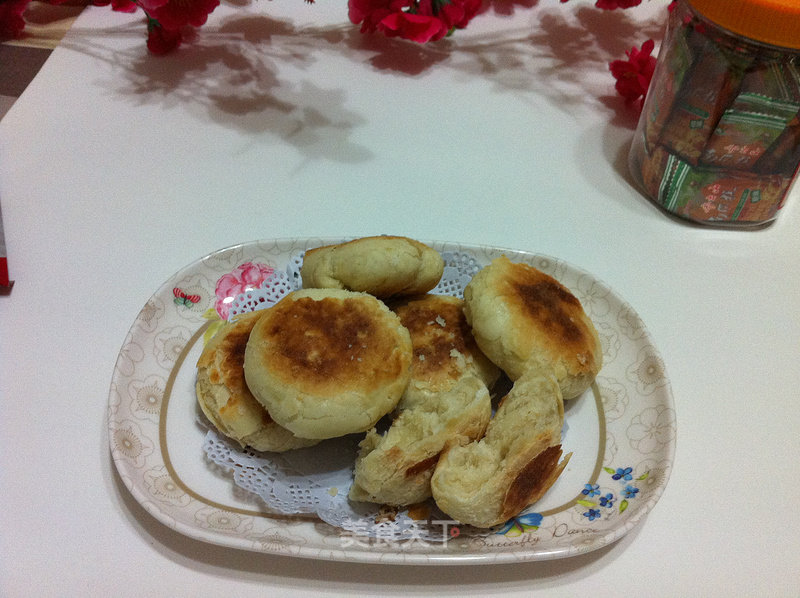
[
  {"x": 591, "y": 490},
  {"x": 531, "y": 519},
  {"x": 630, "y": 491},
  {"x": 592, "y": 514},
  {"x": 607, "y": 500},
  {"x": 623, "y": 474},
  {"x": 517, "y": 526}
]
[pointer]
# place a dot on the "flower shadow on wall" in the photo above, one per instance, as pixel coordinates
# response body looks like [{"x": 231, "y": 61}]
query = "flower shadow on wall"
[
  {"x": 550, "y": 57},
  {"x": 231, "y": 72},
  {"x": 553, "y": 59},
  {"x": 229, "y": 76}
]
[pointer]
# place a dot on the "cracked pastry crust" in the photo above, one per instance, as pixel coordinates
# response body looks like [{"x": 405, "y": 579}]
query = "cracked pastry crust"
[
  {"x": 396, "y": 468},
  {"x": 486, "y": 482},
  {"x": 446, "y": 402}
]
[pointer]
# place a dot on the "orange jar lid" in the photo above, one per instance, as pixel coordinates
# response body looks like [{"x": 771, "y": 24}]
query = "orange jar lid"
[{"x": 775, "y": 22}]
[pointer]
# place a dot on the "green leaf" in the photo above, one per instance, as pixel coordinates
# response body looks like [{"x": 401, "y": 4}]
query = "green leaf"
[
  {"x": 211, "y": 314},
  {"x": 623, "y": 505},
  {"x": 644, "y": 476},
  {"x": 211, "y": 331},
  {"x": 609, "y": 470},
  {"x": 587, "y": 503},
  {"x": 529, "y": 528}
]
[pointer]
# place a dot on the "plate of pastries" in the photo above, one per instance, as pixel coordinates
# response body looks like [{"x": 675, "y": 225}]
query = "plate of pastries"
[{"x": 385, "y": 399}]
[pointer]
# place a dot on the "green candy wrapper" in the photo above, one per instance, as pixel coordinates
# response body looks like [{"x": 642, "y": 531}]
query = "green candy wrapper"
[
  {"x": 709, "y": 89},
  {"x": 710, "y": 195},
  {"x": 675, "y": 66}
]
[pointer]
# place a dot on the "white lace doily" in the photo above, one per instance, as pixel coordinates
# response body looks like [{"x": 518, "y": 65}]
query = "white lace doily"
[
  {"x": 272, "y": 290},
  {"x": 316, "y": 480}
]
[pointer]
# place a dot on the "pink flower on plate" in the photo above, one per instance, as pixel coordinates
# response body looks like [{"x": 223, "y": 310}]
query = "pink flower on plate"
[{"x": 246, "y": 277}]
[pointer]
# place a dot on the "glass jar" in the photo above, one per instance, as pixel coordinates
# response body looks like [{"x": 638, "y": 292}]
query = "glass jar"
[{"x": 718, "y": 140}]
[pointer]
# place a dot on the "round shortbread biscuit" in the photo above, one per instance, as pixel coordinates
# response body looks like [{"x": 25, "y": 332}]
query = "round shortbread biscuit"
[
  {"x": 487, "y": 482},
  {"x": 328, "y": 362},
  {"x": 524, "y": 319},
  {"x": 224, "y": 397},
  {"x": 383, "y": 266}
]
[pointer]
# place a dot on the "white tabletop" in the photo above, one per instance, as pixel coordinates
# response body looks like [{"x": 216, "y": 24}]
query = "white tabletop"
[{"x": 281, "y": 120}]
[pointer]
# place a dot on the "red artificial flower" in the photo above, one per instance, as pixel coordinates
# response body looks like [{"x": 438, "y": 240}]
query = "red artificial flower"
[
  {"x": 166, "y": 19},
  {"x": 11, "y": 22},
  {"x": 633, "y": 75},
  {"x": 417, "y": 28},
  {"x": 371, "y": 12},
  {"x": 612, "y": 4},
  {"x": 416, "y": 20},
  {"x": 150, "y": 5},
  {"x": 174, "y": 14},
  {"x": 118, "y": 5},
  {"x": 458, "y": 14},
  {"x": 161, "y": 40}
]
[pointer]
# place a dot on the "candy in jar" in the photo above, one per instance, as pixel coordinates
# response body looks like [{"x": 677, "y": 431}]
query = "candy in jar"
[{"x": 718, "y": 141}]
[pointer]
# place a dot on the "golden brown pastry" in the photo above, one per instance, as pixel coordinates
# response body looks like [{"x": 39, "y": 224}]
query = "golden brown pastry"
[
  {"x": 445, "y": 402},
  {"x": 382, "y": 266},
  {"x": 486, "y": 482},
  {"x": 444, "y": 348},
  {"x": 396, "y": 468},
  {"x": 328, "y": 362},
  {"x": 524, "y": 319},
  {"x": 224, "y": 397}
]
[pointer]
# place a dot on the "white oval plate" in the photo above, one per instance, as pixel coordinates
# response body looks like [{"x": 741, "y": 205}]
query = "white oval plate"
[{"x": 621, "y": 432}]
